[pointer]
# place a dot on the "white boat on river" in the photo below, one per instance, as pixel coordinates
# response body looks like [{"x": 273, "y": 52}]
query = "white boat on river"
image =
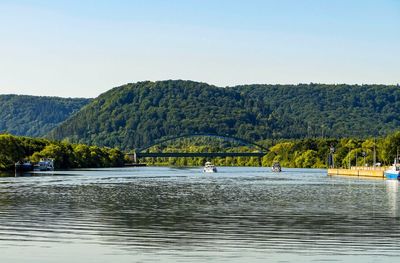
[
  {"x": 209, "y": 168},
  {"x": 276, "y": 167}
]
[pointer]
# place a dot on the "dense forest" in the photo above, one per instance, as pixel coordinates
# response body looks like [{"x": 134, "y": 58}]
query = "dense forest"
[
  {"x": 136, "y": 115},
  {"x": 16, "y": 148},
  {"x": 33, "y": 115}
]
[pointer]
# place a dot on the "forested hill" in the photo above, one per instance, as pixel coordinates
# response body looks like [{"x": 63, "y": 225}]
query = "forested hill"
[
  {"x": 137, "y": 114},
  {"x": 35, "y": 116}
]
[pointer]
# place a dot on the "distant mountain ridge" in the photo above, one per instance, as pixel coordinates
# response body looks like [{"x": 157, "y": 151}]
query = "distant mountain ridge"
[
  {"x": 137, "y": 114},
  {"x": 35, "y": 115}
]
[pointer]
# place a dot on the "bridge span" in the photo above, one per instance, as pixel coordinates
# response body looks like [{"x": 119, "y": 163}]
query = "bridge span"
[{"x": 143, "y": 152}]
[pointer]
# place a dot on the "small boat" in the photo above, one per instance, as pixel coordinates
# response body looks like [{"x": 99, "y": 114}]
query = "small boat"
[
  {"x": 209, "y": 168},
  {"x": 393, "y": 173},
  {"x": 45, "y": 164},
  {"x": 276, "y": 167},
  {"x": 23, "y": 166}
]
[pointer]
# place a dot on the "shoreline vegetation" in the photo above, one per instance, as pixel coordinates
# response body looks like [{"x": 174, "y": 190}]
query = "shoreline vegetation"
[
  {"x": 294, "y": 153},
  {"x": 66, "y": 155}
]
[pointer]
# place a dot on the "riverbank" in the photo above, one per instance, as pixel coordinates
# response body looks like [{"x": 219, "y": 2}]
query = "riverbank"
[{"x": 299, "y": 153}]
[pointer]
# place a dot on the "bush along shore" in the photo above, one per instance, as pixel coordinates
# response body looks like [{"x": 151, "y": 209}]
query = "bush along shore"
[{"x": 65, "y": 155}]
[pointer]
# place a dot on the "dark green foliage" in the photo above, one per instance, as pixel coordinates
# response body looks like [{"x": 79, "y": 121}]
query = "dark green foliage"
[
  {"x": 136, "y": 115},
  {"x": 35, "y": 116},
  {"x": 15, "y": 148},
  {"x": 319, "y": 110}
]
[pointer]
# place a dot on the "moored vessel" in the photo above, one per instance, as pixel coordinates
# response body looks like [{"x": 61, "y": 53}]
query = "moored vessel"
[
  {"x": 23, "y": 166},
  {"x": 45, "y": 164},
  {"x": 393, "y": 173}
]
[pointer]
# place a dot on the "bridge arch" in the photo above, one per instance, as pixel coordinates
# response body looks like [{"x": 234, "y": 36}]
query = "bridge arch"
[{"x": 224, "y": 137}]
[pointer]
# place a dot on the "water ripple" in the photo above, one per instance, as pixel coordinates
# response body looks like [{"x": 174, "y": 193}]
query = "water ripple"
[{"x": 181, "y": 213}]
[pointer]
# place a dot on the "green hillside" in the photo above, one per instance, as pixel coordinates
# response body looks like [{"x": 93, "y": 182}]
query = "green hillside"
[
  {"x": 35, "y": 116},
  {"x": 135, "y": 115},
  {"x": 320, "y": 110}
]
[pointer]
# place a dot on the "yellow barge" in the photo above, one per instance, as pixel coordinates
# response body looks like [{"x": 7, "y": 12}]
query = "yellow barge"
[{"x": 360, "y": 171}]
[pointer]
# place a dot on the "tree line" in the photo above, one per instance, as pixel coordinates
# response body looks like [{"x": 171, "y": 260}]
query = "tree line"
[
  {"x": 66, "y": 155},
  {"x": 299, "y": 153}
]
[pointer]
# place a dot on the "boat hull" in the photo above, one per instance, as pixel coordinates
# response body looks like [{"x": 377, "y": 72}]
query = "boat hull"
[
  {"x": 43, "y": 168},
  {"x": 392, "y": 175},
  {"x": 23, "y": 167}
]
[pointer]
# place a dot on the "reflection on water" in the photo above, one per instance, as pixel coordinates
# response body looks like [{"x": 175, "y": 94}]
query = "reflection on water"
[
  {"x": 181, "y": 215},
  {"x": 392, "y": 188}
]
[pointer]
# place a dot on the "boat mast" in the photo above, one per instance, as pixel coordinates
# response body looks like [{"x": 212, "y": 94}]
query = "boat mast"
[{"x": 374, "y": 154}]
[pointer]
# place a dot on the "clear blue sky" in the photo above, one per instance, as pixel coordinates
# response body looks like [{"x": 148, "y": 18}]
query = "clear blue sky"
[{"x": 82, "y": 48}]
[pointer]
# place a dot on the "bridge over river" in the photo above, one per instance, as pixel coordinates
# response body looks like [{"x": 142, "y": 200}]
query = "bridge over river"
[{"x": 143, "y": 152}]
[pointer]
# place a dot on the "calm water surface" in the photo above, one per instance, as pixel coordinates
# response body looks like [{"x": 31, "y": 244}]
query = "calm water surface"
[{"x": 152, "y": 214}]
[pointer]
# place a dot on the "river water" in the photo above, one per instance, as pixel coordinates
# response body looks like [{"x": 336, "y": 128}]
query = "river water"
[{"x": 159, "y": 214}]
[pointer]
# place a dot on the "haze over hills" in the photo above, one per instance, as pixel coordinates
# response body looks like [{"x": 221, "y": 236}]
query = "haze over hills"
[
  {"x": 135, "y": 115},
  {"x": 34, "y": 115}
]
